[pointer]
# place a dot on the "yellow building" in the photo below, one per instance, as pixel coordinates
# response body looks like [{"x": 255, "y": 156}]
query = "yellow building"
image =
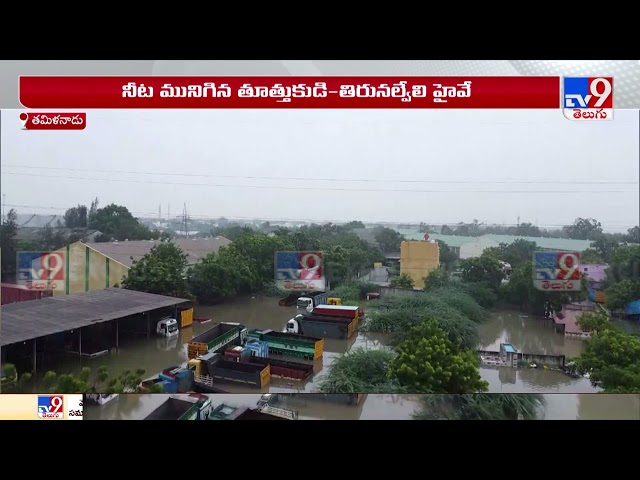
[
  {"x": 417, "y": 259},
  {"x": 87, "y": 269}
]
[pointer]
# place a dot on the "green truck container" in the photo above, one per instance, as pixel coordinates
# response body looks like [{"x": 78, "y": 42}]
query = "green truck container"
[
  {"x": 230, "y": 412},
  {"x": 217, "y": 339},
  {"x": 290, "y": 344}
]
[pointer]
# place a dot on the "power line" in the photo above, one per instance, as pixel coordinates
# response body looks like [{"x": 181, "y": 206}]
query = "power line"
[
  {"x": 369, "y": 180},
  {"x": 179, "y": 218},
  {"x": 332, "y": 189}
]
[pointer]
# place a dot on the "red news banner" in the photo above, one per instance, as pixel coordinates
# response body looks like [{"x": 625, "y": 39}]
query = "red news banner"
[{"x": 289, "y": 92}]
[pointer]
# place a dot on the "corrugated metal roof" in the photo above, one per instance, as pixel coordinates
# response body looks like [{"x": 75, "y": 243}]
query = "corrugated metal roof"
[
  {"x": 542, "y": 242},
  {"x": 39, "y": 318},
  {"x": 128, "y": 251}
]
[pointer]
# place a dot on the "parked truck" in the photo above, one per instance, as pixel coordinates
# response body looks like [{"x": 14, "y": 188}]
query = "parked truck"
[
  {"x": 217, "y": 339},
  {"x": 230, "y": 412},
  {"x": 310, "y": 300},
  {"x": 290, "y": 344},
  {"x": 185, "y": 407},
  {"x": 168, "y": 328},
  {"x": 212, "y": 367},
  {"x": 259, "y": 354},
  {"x": 343, "y": 311},
  {"x": 340, "y": 328}
]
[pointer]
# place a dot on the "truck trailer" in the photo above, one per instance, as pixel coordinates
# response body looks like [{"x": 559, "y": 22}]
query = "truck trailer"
[
  {"x": 217, "y": 339},
  {"x": 212, "y": 367},
  {"x": 185, "y": 407},
  {"x": 290, "y": 344},
  {"x": 340, "y": 328},
  {"x": 309, "y": 301}
]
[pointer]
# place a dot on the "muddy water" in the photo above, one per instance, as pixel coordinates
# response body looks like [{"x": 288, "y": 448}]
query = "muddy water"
[
  {"x": 155, "y": 354},
  {"x": 530, "y": 335},
  {"x": 380, "y": 407}
]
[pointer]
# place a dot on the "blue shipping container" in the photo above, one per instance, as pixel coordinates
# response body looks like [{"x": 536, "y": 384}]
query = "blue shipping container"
[
  {"x": 258, "y": 348},
  {"x": 170, "y": 387}
]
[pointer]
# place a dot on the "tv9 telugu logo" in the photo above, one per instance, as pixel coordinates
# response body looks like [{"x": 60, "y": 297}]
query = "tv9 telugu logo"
[
  {"x": 41, "y": 270},
  {"x": 557, "y": 271},
  {"x": 588, "y": 98},
  {"x": 50, "y": 407}
]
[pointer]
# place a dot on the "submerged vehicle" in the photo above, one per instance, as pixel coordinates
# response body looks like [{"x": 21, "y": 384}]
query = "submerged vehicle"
[
  {"x": 217, "y": 339},
  {"x": 167, "y": 327}
]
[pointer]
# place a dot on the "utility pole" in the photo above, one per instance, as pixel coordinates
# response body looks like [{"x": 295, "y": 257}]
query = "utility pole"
[
  {"x": 160, "y": 212},
  {"x": 169, "y": 211},
  {"x": 4, "y": 201}
]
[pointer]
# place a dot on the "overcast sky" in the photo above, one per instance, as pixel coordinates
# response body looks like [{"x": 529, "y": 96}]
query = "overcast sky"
[{"x": 340, "y": 165}]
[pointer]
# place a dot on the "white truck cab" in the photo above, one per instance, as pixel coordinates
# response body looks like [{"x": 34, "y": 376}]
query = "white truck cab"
[
  {"x": 305, "y": 303},
  {"x": 167, "y": 327},
  {"x": 293, "y": 326}
]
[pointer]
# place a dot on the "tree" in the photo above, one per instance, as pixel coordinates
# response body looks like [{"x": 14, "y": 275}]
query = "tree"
[
  {"x": 448, "y": 258},
  {"x": 583, "y": 229},
  {"x": 388, "y": 239},
  {"x": 8, "y": 244},
  {"x": 446, "y": 230},
  {"x": 633, "y": 234},
  {"x": 362, "y": 371},
  {"x": 593, "y": 322},
  {"x": 611, "y": 359},
  {"x": 161, "y": 271},
  {"x": 621, "y": 293},
  {"x": 51, "y": 238},
  {"x": 429, "y": 361},
  {"x": 515, "y": 253},
  {"x": 591, "y": 256},
  {"x": 437, "y": 278},
  {"x": 483, "y": 269},
  {"x": 76, "y": 217},
  {"x": 402, "y": 281},
  {"x": 85, "y": 382},
  {"x": 258, "y": 251},
  {"x": 118, "y": 223},
  {"x": 220, "y": 276},
  {"x": 354, "y": 225},
  {"x": 605, "y": 248},
  {"x": 500, "y": 406}
]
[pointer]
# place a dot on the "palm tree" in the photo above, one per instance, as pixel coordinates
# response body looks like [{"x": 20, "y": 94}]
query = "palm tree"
[{"x": 481, "y": 407}]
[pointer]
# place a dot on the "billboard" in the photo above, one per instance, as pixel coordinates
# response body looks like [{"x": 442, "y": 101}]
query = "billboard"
[
  {"x": 300, "y": 271},
  {"x": 41, "y": 270},
  {"x": 556, "y": 271}
]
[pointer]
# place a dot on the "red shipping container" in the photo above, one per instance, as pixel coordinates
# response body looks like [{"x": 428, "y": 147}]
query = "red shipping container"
[
  {"x": 12, "y": 293},
  {"x": 336, "y": 311}
]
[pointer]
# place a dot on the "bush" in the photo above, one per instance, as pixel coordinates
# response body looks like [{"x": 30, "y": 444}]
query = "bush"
[
  {"x": 346, "y": 292},
  {"x": 361, "y": 371},
  {"x": 481, "y": 293},
  {"x": 460, "y": 300}
]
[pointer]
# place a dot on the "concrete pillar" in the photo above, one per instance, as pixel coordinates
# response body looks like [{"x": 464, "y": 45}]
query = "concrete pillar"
[
  {"x": 148, "y": 314},
  {"x": 80, "y": 341},
  {"x": 117, "y": 333},
  {"x": 35, "y": 356}
]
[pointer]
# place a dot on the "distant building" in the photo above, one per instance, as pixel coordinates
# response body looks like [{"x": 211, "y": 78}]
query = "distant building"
[
  {"x": 94, "y": 266},
  {"x": 469, "y": 247},
  {"x": 417, "y": 259},
  {"x": 596, "y": 274}
]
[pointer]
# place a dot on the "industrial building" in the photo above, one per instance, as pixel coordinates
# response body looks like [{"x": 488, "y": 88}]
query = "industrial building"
[{"x": 95, "y": 266}]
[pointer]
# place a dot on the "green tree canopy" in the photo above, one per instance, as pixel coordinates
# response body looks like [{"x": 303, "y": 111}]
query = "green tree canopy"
[
  {"x": 429, "y": 362},
  {"x": 118, "y": 223},
  {"x": 8, "y": 244},
  {"x": 583, "y": 229},
  {"x": 388, "y": 239},
  {"x": 516, "y": 253},
  {"x": 161, "y": 271},
  {"x": 512, "y": 406},
  {"x": 220, "y": 276},
  {"x": 402, "y": 281},
  {"x": 611, "y": 359},
  {"x": 482, "y": 269}
]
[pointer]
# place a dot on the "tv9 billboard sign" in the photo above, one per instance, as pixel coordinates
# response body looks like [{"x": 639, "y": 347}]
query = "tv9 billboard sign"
[
  {"x": 301, "y": 271},
  {"x": 41, "y": 270}
]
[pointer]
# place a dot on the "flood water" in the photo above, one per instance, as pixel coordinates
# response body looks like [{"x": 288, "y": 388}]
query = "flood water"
[
  {"x": 530, "y": 335},
  {"x": 379, "y": 407}
]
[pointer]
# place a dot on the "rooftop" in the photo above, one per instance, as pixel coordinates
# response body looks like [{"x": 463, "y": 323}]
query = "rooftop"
[
  {"x": 38, "y": 318},
  {"x": 128, "y": 251},
  {"x": 542, "y": 242}
]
